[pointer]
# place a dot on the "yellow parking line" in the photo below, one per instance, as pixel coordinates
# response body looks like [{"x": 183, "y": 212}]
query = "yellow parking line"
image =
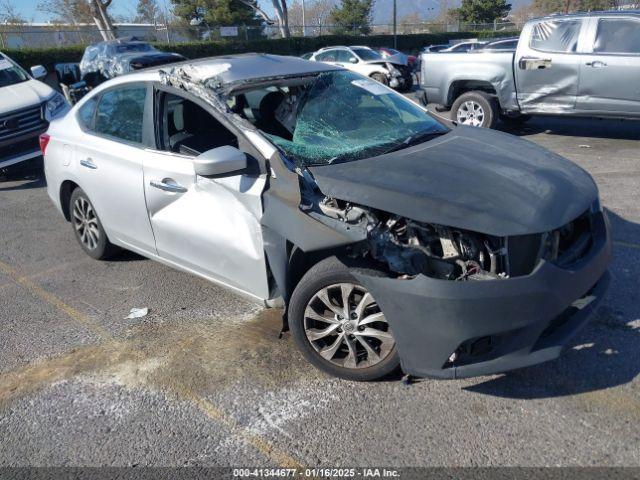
[
  {"x": 635, "y": 246},
  {"x": 263, "y": 446},
  {"x": 209, "y": 409},
  {"x": 51, "y": 299}
]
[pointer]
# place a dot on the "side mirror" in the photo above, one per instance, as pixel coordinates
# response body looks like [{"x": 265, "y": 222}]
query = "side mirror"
[
  {"x": 353, "y": 60},
  {"x": 220, "y": 162},
  {"x": 38, "y": 72}
]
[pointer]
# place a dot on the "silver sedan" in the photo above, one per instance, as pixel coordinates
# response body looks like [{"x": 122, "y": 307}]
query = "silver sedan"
[{"x": 390, "y": 239}]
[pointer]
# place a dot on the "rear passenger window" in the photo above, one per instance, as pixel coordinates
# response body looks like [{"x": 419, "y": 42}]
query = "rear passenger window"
[
  {"x": 618, "y": 35},
  {"x": 86, "y": 113},
  {"x": 560, "y": 36},
  {"x": 121, "y": 113}
]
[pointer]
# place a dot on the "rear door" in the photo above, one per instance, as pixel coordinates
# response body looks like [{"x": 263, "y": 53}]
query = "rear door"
[
  {"x": 209, "y": 226},
  {"x": 109, "y": 162},
  {"x": 609, "y": 71},
  {"x": 547, "y": 65}
]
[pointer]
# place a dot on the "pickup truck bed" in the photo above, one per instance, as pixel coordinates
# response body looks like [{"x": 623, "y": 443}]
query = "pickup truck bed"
[{"x": 446, "y": 75}]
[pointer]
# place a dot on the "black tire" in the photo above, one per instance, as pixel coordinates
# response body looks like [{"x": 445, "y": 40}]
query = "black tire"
[
  {"x": 488, "y": 105},
  {"x": 89, "y": 232},
  {"x": 326, "y": 273},
  {"x": 379, "y": 77}
]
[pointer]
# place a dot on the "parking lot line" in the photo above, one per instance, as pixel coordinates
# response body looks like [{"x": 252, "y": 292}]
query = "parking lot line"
[
  {"x": 262, "y": 445},
  {"x": 635, "y": 246},
  {"x": 51, "y": 299}
]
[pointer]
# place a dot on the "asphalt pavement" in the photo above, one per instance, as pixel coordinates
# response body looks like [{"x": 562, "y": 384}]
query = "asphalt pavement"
[{"x": 204, "y": 380}]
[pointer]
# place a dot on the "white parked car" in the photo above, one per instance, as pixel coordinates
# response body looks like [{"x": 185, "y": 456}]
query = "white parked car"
[
  {"x": 464, "y": 47},
  {"x": 26, "y": 107},
  {"x": 368, "y": 62}
]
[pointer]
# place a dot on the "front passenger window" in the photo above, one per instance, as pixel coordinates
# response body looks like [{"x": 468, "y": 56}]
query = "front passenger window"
[
  {"x": 121, "y": 113},
  {"x": 344, "y": 56},
  {"x": 618, "y": 35},
  {"x": 329, "y": 56},
  {"x": 190, "y": 130}
]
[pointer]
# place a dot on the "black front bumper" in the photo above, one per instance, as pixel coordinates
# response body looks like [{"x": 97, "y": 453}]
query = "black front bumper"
[{"x": 494, "y": 325}]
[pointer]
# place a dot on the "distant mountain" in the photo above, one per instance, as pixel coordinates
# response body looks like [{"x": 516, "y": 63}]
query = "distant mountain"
[{"x": 427, "y": 9}]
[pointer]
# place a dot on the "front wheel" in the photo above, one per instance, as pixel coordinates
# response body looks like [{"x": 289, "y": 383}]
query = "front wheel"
[
  {"x": 475, "y": 109},
  {"x": 338, "y": 326}
]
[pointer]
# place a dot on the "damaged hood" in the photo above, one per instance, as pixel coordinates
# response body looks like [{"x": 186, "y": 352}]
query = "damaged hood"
[{"x": 470, "y": 178}]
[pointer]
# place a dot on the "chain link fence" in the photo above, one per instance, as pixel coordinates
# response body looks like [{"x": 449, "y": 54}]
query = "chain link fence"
[{"x": 47, "y": 35}]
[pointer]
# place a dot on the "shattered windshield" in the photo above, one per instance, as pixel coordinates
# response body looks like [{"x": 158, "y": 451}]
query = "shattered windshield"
[
  {"x": 336, "y": 117},
  {"x": 11, "y": 74}
]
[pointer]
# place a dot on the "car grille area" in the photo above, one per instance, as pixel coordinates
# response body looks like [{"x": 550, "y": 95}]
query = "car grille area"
[{"x": 21, "y": 122}]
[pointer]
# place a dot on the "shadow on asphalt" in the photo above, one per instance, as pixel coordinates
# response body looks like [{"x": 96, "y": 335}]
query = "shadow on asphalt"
[
  {"x": 125, "y": 256},
  {"x": 33, "y": 182},
  {"x": 605, "y": 354},
  {"x": 576, "y": 127}
]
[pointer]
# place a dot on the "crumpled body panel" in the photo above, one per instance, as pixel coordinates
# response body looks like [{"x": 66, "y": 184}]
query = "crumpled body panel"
[{"x": 475, "y": 179}]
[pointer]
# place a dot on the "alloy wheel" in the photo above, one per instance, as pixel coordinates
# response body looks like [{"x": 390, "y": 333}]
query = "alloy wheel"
[
  {"x": 86, "y": 223},
  {"x": 346, "y": 327},
  {"x": 470, "y": 113}
]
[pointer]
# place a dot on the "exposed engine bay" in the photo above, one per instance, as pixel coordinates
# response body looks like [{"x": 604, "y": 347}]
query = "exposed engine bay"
[{"x": 409, "y": 248}]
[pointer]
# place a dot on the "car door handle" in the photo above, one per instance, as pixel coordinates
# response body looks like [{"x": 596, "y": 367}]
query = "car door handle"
[
  {"x": 168, "y": 185},
  {"x": 596, "y": 64},
  {"x": 88, "y": 162},
  {"x": 534, "y": 63}
]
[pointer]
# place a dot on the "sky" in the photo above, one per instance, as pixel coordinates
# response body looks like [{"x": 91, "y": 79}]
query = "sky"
[{"x": 29, "y": 8}]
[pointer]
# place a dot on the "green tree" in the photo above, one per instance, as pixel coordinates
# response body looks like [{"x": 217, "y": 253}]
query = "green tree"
[
  {"x": 352, "y": 14},
  {"x": 483, "y": 11},
  {"x": 215, "y": 12}
]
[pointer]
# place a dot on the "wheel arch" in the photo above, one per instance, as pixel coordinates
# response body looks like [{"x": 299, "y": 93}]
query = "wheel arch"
[
  {"x": 66, "y": 189},
  {"x": 300, "y": 262},
  {"x": 459, "y": 87}
]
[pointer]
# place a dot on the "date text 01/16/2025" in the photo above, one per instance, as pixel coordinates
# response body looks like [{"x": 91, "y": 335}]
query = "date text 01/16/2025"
[{"x": 316, "y": 472}]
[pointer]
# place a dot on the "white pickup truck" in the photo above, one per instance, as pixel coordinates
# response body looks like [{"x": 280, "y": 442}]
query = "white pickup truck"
[{"x": 26, "y": 107}]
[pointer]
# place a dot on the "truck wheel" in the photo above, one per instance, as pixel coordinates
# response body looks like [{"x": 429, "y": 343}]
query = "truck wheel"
[
  {"x": 475, "y": 109},
  {"x": 338, "y": 326},
  {"x": 88, "y": 228}
]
